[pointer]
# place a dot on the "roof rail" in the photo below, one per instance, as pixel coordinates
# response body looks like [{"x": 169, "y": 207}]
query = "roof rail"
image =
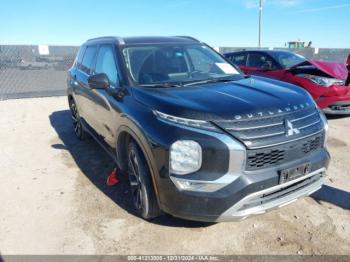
[
  {"x": 188, "y": 37},
  {"x": 116, "y": 38}
]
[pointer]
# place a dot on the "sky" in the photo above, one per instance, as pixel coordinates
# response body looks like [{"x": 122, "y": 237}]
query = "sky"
[{"x": 217, "y": 22}]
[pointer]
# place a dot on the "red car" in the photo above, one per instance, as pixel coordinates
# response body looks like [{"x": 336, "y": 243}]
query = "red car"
[{"x": 325, "y": 81}]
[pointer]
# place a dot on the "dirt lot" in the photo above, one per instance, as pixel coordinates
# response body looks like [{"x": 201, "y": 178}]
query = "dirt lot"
[
  {"x": 54, "y": 199},
  {"x": 17, "y": 83}
]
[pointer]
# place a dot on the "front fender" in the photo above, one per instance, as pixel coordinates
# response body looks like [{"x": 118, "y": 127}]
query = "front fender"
[{"x": 129, "y": 127}]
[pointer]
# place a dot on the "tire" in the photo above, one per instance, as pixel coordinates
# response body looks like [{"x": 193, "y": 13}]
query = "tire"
[
  {"x": 141, "y": 187},
  {"x": 78, "y": 127}
]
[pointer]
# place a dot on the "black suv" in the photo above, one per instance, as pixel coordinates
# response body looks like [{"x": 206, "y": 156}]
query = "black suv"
[{"x": 198, "y": 139}]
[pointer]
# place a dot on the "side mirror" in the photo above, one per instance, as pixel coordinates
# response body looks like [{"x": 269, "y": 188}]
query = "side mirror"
[{"x": 98, "y": 81}]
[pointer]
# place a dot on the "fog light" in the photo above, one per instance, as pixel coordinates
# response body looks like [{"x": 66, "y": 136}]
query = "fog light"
[
  {"x": 185, "y": 157},
  {"x": 199, "y": 186}
]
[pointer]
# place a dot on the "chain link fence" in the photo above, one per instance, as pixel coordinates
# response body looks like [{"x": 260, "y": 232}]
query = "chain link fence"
[{"x": 36, "y": 71}]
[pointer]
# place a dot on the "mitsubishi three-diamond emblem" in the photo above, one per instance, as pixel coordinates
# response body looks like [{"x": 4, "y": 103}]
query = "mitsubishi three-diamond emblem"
[{"x": 290, "y": 130}]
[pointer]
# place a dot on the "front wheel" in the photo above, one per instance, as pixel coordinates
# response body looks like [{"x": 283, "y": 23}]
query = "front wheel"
[
  {"x": 78, "y": 127},
  {"x": 142, "y": 191}
]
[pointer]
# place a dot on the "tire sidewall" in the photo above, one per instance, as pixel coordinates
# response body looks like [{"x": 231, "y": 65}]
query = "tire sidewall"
[
  {"x": 146, "y": 185},
  {"x": 82, "y": 134}
]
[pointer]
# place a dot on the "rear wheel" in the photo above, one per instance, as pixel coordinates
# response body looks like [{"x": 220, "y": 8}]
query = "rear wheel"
[
  {"x": 142, "y": 191},
  {"x": 78, "y": 127}
]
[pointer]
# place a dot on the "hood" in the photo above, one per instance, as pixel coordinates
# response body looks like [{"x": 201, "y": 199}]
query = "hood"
[
  {"x": 333, "y": 69},
  {"x": 254, "y": 96}
]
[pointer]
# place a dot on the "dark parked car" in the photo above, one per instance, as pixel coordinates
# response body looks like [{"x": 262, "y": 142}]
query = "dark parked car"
[
  {"x": 198, "y": 139},
  {"x": 324, "y": 80}
]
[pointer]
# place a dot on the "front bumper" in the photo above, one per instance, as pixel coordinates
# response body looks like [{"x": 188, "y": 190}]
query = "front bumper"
[
  {"x": 253, "y": 192},
  {"x": 336, "y": 102},
  {"x": 338, "y": 108},
  {"x": 274, "y": 197}
]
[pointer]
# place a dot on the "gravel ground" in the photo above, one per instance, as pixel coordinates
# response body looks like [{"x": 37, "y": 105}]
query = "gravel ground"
[{"x": 54, "y": 199}]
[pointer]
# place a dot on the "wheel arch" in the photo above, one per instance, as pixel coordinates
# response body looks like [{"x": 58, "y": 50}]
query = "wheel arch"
[{"x": 127, "y": 131}]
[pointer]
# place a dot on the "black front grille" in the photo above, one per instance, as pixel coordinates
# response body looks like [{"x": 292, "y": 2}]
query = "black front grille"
[
  {"x": 274, "y": 129},
  {"x": 311, "y": 145},
  {"x": 267, "y": 157}
]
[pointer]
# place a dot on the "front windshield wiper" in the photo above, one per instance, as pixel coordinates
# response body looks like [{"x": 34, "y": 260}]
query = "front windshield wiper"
[
  {"x": 162, "y": 85},
  {"x": 211, "y": 80},
  {"x": 186, "y": 83}
]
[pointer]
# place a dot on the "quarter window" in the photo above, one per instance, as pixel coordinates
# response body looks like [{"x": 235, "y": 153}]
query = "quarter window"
[{"x": 106, "y": 63}]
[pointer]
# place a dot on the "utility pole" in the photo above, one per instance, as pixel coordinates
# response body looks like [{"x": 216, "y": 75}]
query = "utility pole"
[{"x": 260, "y": 21}]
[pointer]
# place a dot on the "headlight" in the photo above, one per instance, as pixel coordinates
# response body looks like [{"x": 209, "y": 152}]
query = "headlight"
[
  {"x": 326, "y": 128},
  {"x": 185, "y": 157},
  {"x": 184, "y": 121},
  {"x": 323, "y": 81}
]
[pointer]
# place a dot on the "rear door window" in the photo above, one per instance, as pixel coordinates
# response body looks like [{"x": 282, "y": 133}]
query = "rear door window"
[{"x": 88, "y": 59}]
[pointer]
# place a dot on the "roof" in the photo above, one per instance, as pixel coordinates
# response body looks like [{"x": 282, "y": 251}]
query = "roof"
[
  {"x": 144, "y": 39},
  {"x": 267, "y": 51}
]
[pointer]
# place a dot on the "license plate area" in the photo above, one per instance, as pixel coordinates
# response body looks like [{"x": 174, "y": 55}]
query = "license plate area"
[{"x": 289, "y": 174}]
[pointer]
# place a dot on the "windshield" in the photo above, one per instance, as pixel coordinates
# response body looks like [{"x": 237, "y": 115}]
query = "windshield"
[
  {"x": 288, "y": 59},
  {"x": 175, "y": 63}
]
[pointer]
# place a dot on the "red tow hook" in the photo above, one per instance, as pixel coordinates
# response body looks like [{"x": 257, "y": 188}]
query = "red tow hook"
[{"x": 112, "y": 179}]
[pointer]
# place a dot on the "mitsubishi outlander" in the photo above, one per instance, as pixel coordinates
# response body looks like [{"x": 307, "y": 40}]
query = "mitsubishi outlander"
[{"x": 197, "y": 138}]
